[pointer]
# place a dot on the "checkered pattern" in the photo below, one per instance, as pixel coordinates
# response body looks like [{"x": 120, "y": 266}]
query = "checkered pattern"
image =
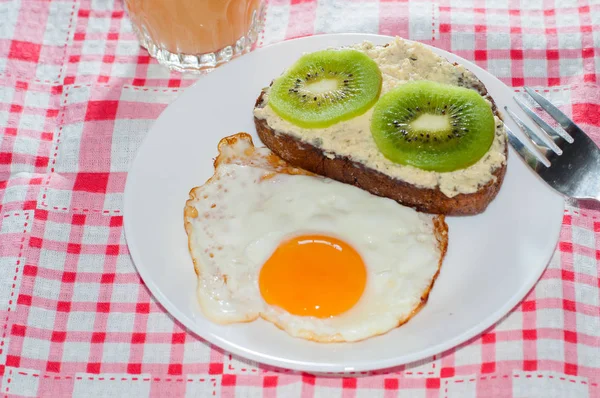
[{"x": 77, "y": 95}]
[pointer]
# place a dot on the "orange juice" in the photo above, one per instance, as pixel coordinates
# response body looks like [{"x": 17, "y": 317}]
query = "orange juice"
[{"x": 194, "y": 27}]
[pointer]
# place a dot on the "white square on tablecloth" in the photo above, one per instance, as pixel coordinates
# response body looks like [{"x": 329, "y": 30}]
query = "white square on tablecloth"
[
  {"x": 463, "y": 41},
  {"x": 549, "y": 288},
  {"x": 70, "y": 142},
  {"x": 157, "y": 71},
  {"x": 587, "y": 295},
  {"x": 26, "y": 145},
  {"x": 498, "y": 41},
  {"x": 116, "y": 352},
  {"x": 32, "y": 122},
  {"x": 52, "y": 259},
  {"x": 157, "y": 353},
  {"x": 47, "y": 288},
  {"x": 532, "y": 4},
  {"x": 467, "y": 355},
  {"x": 80, "y": 321},
  {"x": 535, "y": 386},
  {"x": 276, "y": 24},
  {"x": 76, "y": 352},
  {"x": 462, "y": 18},
  {"x": 8, "y": 15},
  {"x": 22, "y": 383},
  {"x": 321, "y": 391},
  {"x": 125, "y": 293},
  {"x": 552, "y": 318},
  {"x": 583, "y": 237},
  {"x": 570, "y": 66},
  {"x": 412, "y": 393},
  {"x": 511, "y": 350},
  {"x": 89, "y": 68},
  {"x": 463, "y": 3},
  {"x": 364, "y": 392},
  {"x": 535, "y": 67},
  {"x": 57, "y": 32},
  {"x": 95, "y": 234},
  {"x": 58, "y": 232},
  {"x": 35, "y": 348},
  {"x": 90, "y": 263},
  {"x": 102, "y": 5},
  {"x": 567, "y": 18},
  {"x": 86, "y": 292},
  {"x": 8, "y": 265},
  {"x": 109, "y": 384},
  {"x": 125, "y": 265},
  {"x": 194, "y": 351},
  {"x": 532, "y": 41},
  {"x": 499, "y": 67},
  {"x": 159, "y": 322},
  {"x": 585, "y": 264},
  {"x": 123, "y": 70},
  {"x": 497, "y": 19},
  {"x": 127, "y": 138},
  {"x": 202, "y": 389},
  {"x": 45, "y": 71},
  {"x": 588, "y": 324},
  {"x": 511, "y": 321},
  {"x": 98, "y": 24},
  {"x": 127, "y": 47},
  {"x": 78, "y": 95},
  {"x": 569, "y": 40},
  {"x": 295, "y": 390},
  {"x": 16, "y": 193},
  {"x": 532, "y": 19},
  {"x": 41, "y": 318},
  {"x": 120, "y": 322},
  {"x": 14, "y": 224},
  {"x": 588, "y": 356},
  {"x": 340, "y": 16},
  {"x": 553, "y": 350},
  {"x": 92, "y": 47},
  {"x": 421, "y": 20},
  {"x": 460, "y": 386},
  {"x": 7, "y": 93},
  {"x": 37, "y": 99}
]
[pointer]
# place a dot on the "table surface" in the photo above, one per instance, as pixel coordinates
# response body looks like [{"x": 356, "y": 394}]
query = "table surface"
[{"x": 77, "y": 96}]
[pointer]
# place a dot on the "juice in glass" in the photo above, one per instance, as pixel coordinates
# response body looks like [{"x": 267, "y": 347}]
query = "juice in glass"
[{"x": 193, "y": 35}]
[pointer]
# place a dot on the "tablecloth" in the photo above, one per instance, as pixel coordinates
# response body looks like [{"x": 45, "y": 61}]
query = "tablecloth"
[{"x": 77, "y": 96}]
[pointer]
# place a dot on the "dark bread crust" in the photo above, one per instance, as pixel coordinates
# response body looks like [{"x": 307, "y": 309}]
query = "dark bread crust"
[{"x": 341, "y": 168}]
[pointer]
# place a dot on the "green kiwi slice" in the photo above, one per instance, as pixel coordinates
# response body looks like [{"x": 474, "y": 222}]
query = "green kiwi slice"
[
  {"x": 433, "y": 126},
  {"x": 326, "y": 87}
]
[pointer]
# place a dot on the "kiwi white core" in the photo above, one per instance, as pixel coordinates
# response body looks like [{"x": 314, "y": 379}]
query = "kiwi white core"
[
  {"x": 429, "y": 122},
  {"x": 322, "y": 86}
]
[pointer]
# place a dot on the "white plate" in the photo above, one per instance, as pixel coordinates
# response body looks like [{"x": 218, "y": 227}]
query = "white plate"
[{"x": 493, "y": 260}]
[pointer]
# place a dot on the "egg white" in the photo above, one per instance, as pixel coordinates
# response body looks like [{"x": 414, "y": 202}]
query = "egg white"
[{"x": 238, "y": 218}]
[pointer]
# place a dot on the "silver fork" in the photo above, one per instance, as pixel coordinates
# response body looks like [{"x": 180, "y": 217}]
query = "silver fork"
[{"x": 569, "y": 161}]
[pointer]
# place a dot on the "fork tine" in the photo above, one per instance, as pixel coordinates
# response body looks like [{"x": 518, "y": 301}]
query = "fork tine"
[
  {"x": 549, "y": 134},
  {"x": 567, "y": 124},
  {"x": 533, "y": 137},
  {"x": 529, "y": 158}
]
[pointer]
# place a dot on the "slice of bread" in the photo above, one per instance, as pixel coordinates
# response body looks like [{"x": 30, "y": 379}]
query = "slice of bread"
[{"x": 344, "y": 167}]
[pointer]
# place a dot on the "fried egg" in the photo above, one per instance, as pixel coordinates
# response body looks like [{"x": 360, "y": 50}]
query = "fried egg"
[{"x": 320, "y": 259}]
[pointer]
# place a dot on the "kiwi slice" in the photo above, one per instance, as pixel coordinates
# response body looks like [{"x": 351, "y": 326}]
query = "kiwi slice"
[
  {"x": 326, "y": 87},
  {"x": 433, "y": 126}
]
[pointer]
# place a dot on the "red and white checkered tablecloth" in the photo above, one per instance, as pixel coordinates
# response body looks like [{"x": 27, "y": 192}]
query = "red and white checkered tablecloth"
[{"x": 77, "y": 96}]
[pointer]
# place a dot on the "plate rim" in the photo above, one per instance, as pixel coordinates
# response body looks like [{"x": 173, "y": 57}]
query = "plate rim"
[{"x": 311, "y": 367}]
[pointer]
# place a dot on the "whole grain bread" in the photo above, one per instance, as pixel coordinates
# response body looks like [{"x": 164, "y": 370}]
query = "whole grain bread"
[{"x": 341, "y": 168}]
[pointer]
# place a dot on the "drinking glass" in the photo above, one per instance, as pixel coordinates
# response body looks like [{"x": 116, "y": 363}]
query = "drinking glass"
[{"x": 196, "y": 35}]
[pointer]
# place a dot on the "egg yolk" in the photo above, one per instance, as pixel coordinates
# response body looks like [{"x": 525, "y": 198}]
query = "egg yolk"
[{"x": 313, "y": 275}]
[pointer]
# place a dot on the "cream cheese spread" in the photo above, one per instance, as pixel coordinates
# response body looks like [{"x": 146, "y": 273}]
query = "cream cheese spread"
[{"x": 399, "y": 62}]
